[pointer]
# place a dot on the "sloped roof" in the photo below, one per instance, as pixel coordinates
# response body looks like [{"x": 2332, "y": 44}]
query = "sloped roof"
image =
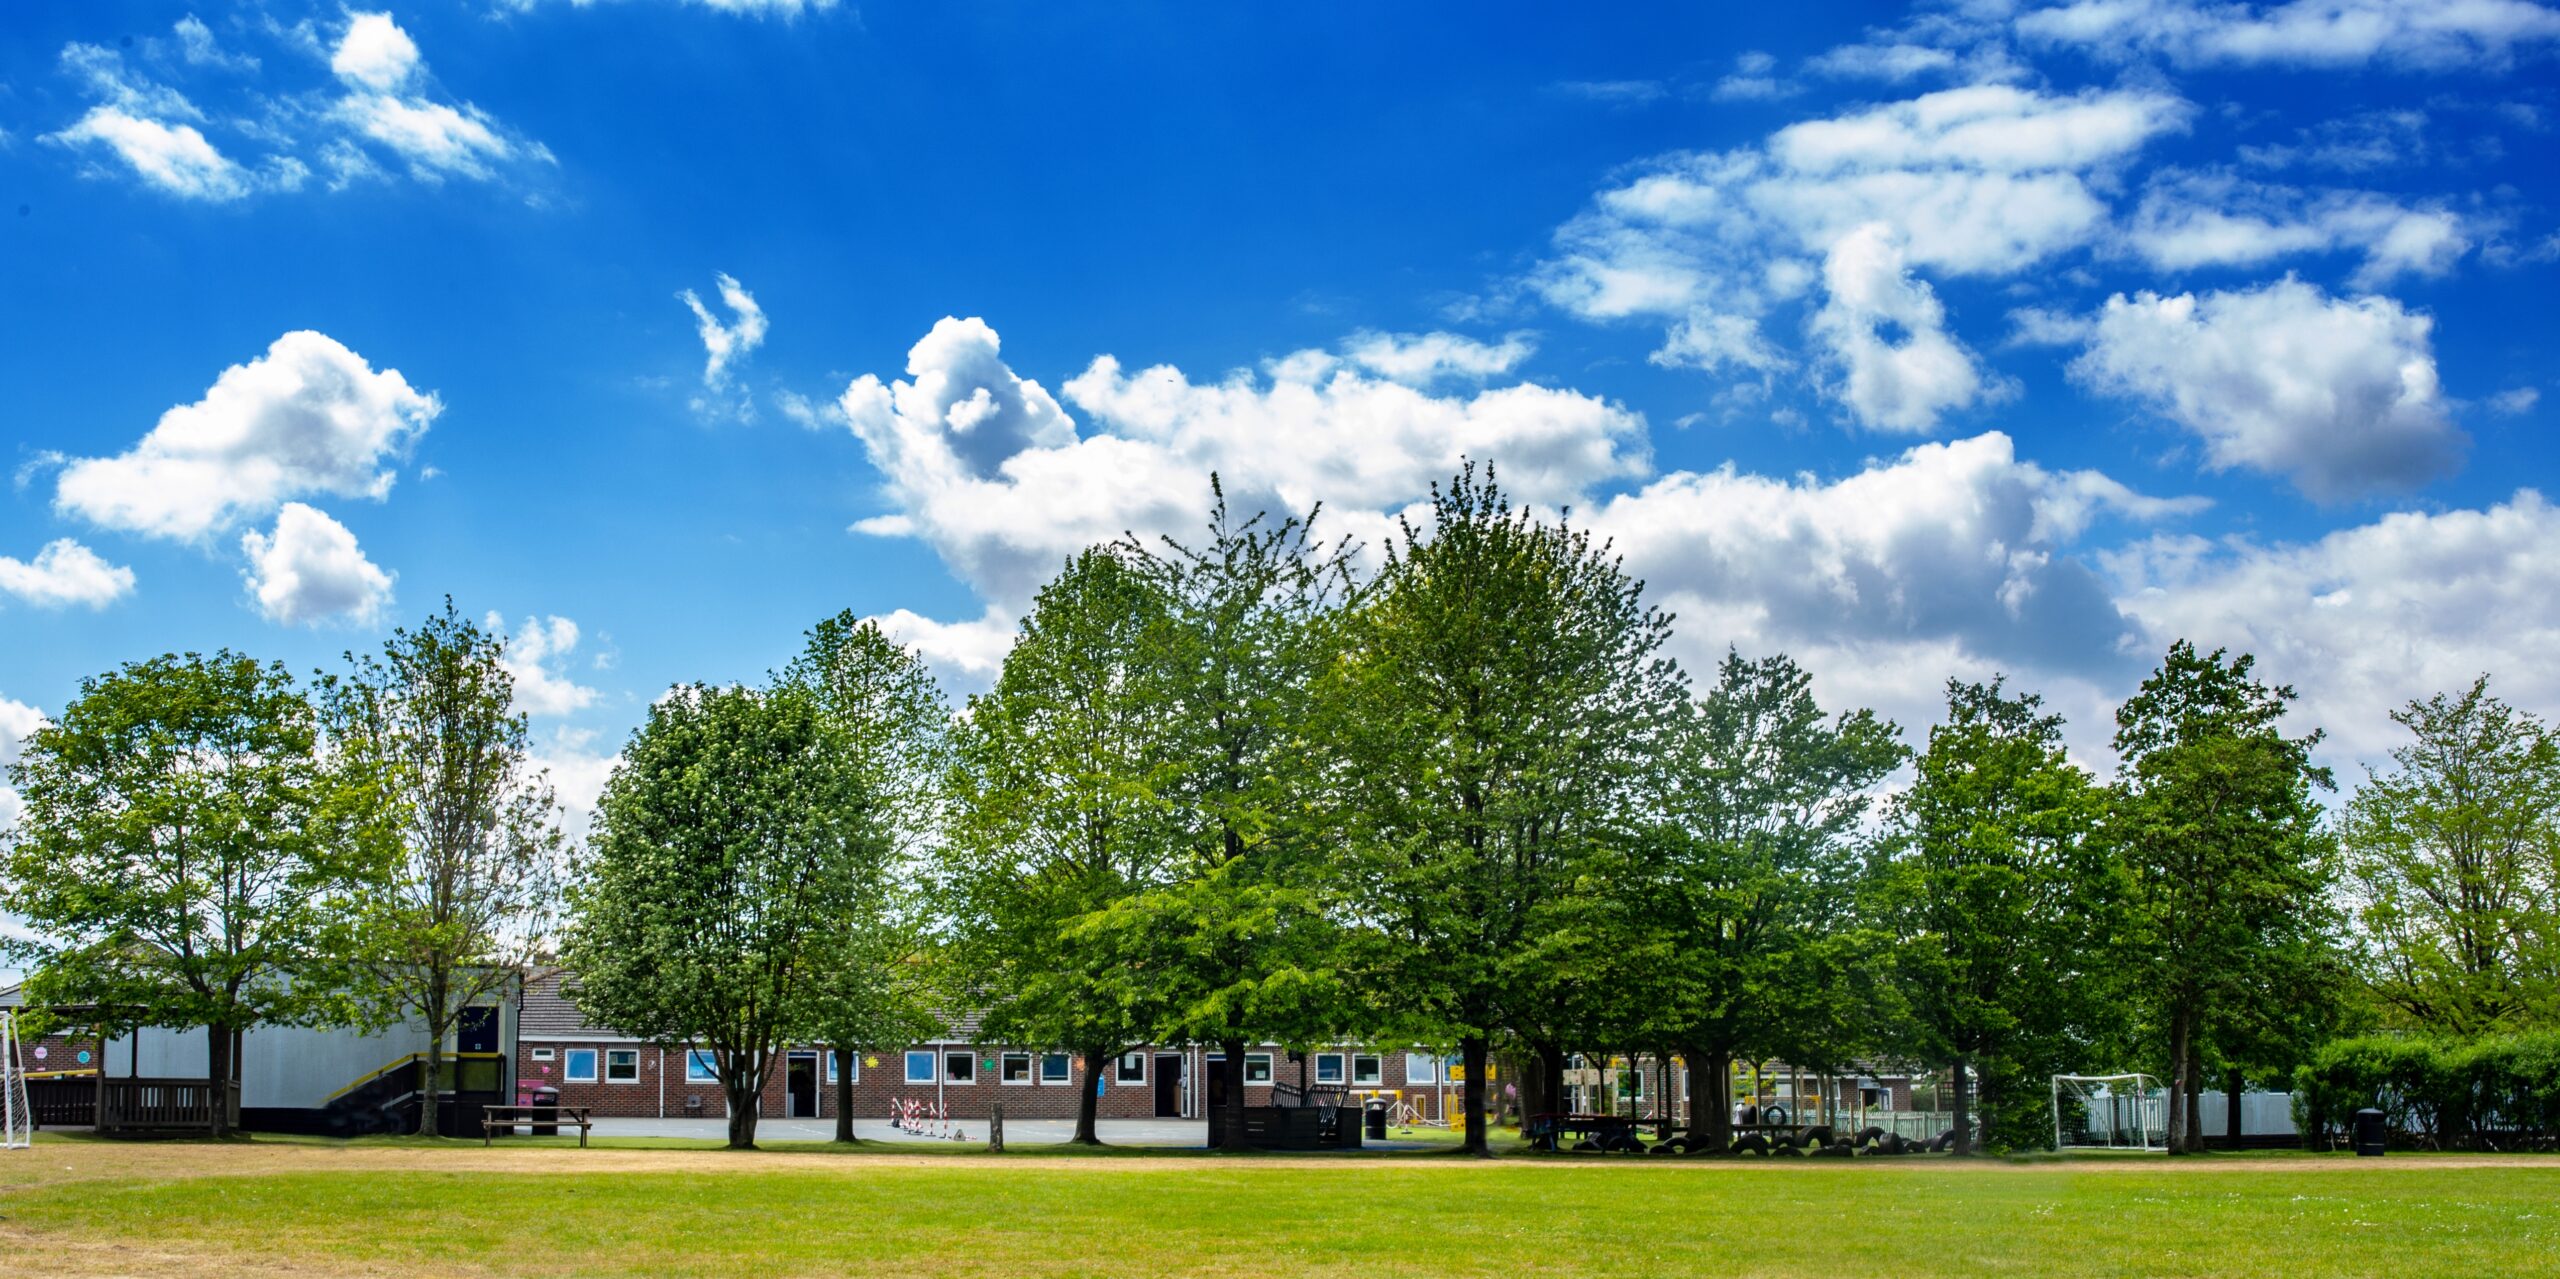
[{"x": 551, "y": 1010}]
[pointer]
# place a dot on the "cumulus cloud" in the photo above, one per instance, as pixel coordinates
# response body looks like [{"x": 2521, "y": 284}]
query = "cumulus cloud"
[
  {"x": 2339, "y": 395},
  {"x": 578, "y": 773},
  {"x": 2515, "y": 401},
  {"x": 1418, "y": 359},
  {"x": 309, "y": 570},
  {"x": 374, "y": 53},
  {"x": 964, "y": 654},
  {"x": 2422, "y": 34},
  {"x": 2194, "y": 220},
  {"x": 987, "y": 467},
  {"x": 387, "y": 104},
  {"x": 65, "y": 573},
  {"x": 308, "y": 417},
  {"x": 1894, "y": 385},
  {"x": 536, "y": 659},
  {"x": 148, "y": 127},
  {"x": 2369, "y": 616},
  {"x": 198, "y": 48},
  {"x": 18, "y": 722}
]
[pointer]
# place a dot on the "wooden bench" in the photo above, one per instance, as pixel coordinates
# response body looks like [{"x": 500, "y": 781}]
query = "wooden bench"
[{"x": 494, "y": 1117}]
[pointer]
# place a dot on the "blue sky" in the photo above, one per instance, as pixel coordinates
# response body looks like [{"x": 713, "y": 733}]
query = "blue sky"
[{"x": 1916, "y": 342}]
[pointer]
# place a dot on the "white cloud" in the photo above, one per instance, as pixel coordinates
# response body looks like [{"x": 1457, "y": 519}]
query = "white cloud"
[
  {"x": 2194, "y": 220},
  {"x": 1892, "y": 61},
  {"x": 1418, "y": 359},
  {"x": 2339, "y": 395},
  {"x": 175, "y": 158},
  {"x": 1904, "y": 385},
  {"x": 2367, "y": 617},
  {"x": 1994, "y": 128},
  {"x": 987, "y": 467},
  {"x": 198, "y": 47},
  {"x": 18, "y": 722},
  {"x": 2423, "y": 34},
  {"x": 374, "y": 53},
  {"x": 1614, "y": 92},
  {"x": 578, "y": 773},
  {"x": 309, "y": 570},
  {"x": 536, "y": 658},
  {"x": 965, "y": 654},
  {"x": 2515, "y": 401},
  {"x": 65, "y": 573},
  {"x": 308, "y": 417},
  {"x": 1754, "y": 80},
  {"x": 723, "y": 343}
]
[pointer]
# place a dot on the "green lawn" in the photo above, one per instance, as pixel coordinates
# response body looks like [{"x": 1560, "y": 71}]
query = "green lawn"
[{"x": 398, "y": 1210}]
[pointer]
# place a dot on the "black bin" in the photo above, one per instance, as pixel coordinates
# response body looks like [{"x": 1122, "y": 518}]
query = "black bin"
[
  {"x": 1374, "y": 1119},
  {"x": 2370, "y": 1131},
  {"x": 546, "y": 1112}
]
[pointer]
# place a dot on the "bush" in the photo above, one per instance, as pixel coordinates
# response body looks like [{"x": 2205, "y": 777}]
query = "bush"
[{"x": 2501, "y": 1092}]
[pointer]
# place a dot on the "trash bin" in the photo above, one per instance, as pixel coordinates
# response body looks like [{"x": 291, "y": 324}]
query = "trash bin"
[
  {"x": 1375, "y": 1117},
  {"x": 2370, "y": 1131},
  {"x": 546, "y": 1112}
]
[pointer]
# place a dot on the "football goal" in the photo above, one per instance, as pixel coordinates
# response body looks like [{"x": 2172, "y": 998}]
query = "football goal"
[
  {"x": 2110, "y": 1112},
  {"x": 17, "y": 1119}
]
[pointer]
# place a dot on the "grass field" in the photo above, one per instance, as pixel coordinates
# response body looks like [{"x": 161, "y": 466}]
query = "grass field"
[{"x": 307, "y": 1208}]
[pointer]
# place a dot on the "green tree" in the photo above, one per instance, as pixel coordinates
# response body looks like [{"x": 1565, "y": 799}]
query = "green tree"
[
  {"x": 2229, "y": 862},
  {"x": 1497, "y": 699},
  {"x": 1753, "y": 877},
  {"x": 733, "y": 842},
  {"x": 1058, "y": 819},
  {"x": 1236, "y": 934},
  {"x": 465, "y": 902},
  {"x": 2000, "y": 902},
  {"x": 893, "y": 733},
  {"x": 2453, "y": 856},
  {"x": 181, "y": 851}
]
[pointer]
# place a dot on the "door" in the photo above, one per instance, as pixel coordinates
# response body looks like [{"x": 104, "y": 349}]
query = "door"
[
  {"x": 1168, "y": 1085},
  {"x": 800, "y": 1086},
  {"x": 1217, "y": 1085},
  {"x": 476, "y": 1031}
]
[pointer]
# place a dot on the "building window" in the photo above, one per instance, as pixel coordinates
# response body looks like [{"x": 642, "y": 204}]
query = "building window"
[
  {"x": 1014, "y": 1068},
  {"x": 832, "y": 1068},
  {"x": 581, "y": 1066},
  {"x": 1133, "y": 1068},
  {"x": 1421, "y": 1068},
  {"x": 697, "y": 1067},
  {"x": 622, "y": 1065},
  {"x": 1328, "y": 1068},
  {"x": 543, "y": 1054},
  {"x": 959, "y": 1068},
  {"x": 1257, "y": 1068},
  {"x": 1055, "y": 1068},
  {"x": 919, "y": 1067},
  {"x": 1368, "y": 1069}
]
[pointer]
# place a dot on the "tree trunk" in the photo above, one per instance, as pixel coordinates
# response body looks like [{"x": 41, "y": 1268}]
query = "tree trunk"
[
  {"x": 217, "y": 1061},
  {"x": 432, "y": 1078},
  {"x": 2177, "y": 1082},
  {"x": 844, "y": 1096},
  {"x": 1471, "y": 1050},
  {"x": 1711, "y": 1087},
  {"x": 1231, "y": 1122},
  {"x": 1550, "y": 1059},
  {"x": 2195, "y": 1093},
  {"x": 2232, "y": 1083},
  {"x": 1961, "y": 1088},
  {"x": 744, "y": 1090},
  {"x": 1089, "y": 1100}
]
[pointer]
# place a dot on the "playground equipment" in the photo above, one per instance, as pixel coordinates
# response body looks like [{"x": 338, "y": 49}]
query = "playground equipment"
[
  {"x": 17, "y": 1118},
  {"x": 2110, "y": 1112}
]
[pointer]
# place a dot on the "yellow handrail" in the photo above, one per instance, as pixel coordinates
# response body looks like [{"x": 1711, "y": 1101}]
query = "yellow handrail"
[{"x": 398, "y": 1062}]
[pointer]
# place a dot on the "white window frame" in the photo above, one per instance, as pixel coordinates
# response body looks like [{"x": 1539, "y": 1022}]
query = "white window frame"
[
  {"x": 828, "y": 1055},
  {"x": 950, "y": 1055},
  {"x": 1030, "y": 1070},
  {"x": 1066, "y": 1069},
  {"x": 1257, "y": 1062},
  {"x": 1376, "y": 1074},
  {"x": 1422, "y": 1068},
  {"x": 932, "y": 1062},
  {"x": 610, "y": 1054},
  {"x": 710, "y": 1073},
  {"x": 1341, "y": 1068},
  {"x": 544, "y": 1054},
  {"x": 569, "y": 1066},
  {"x": 1120, "y": 1069}
]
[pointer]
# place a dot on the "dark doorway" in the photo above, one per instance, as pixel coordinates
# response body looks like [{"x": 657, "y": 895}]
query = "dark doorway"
[
  {"x": 1217, "y": 1085},
  {"x": 800, "y": 1085},
  {"x": 476, "y": 1031},
  {"x": 1168, "y": 1086}
]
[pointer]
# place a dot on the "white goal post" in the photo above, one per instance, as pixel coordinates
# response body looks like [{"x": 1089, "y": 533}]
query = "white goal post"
[
  {"x": 2110, "y": 1112},
  {"x": 17, "y": 1118}
]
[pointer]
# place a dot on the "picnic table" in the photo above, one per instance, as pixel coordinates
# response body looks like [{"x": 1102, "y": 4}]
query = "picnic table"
[{"x": 494, "y": 1117}]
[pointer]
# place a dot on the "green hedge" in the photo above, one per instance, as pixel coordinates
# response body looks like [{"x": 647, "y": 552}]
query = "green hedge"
[{"x": 2497, "y": 1093}]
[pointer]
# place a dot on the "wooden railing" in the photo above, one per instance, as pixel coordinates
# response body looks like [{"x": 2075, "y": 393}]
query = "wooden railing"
[{"x": 162, "y": 1105}]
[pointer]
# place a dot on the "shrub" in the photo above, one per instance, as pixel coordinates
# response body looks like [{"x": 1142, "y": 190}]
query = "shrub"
[{"x": 2496, "y": 1093}]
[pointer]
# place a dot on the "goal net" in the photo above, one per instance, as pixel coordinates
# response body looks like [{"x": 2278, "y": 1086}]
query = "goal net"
[
  {"x": 2110, "y": 1112},
  {"x": 17, "y": 1120}
]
